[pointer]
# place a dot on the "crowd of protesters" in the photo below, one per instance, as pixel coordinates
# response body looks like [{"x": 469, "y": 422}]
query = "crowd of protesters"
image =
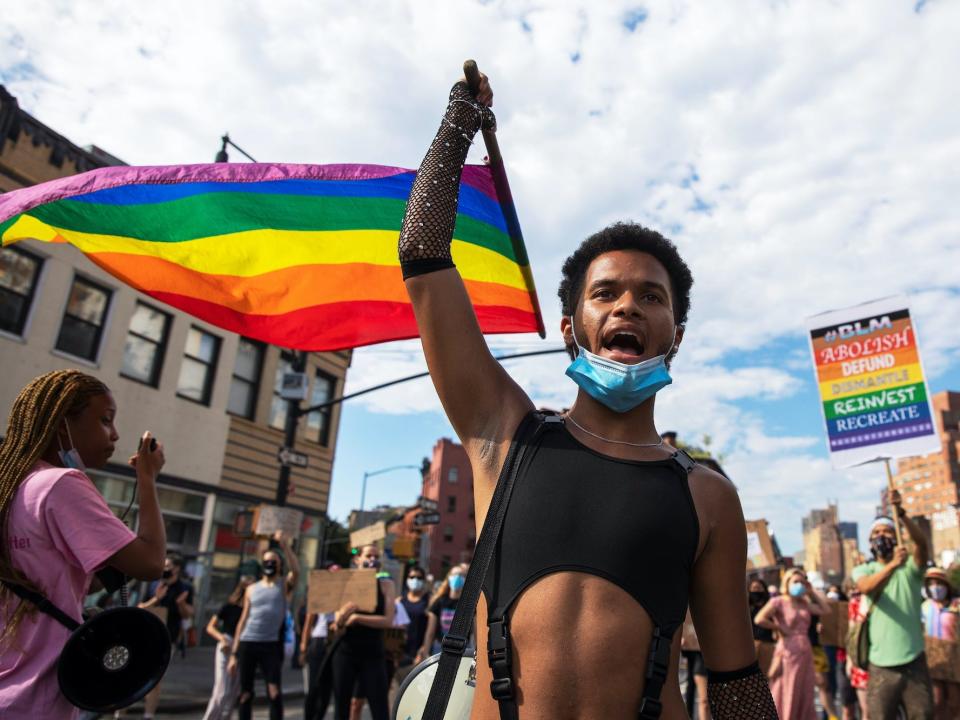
[{"x": 908, "y": 607}]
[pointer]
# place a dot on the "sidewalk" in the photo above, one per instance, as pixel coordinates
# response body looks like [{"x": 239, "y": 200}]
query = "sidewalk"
[{"x": 188, "y": 681}]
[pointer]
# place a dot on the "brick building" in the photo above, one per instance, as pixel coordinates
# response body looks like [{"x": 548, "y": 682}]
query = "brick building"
[
  {"x": 929, "y": 484},
  {"x": 449, "y": 482}
]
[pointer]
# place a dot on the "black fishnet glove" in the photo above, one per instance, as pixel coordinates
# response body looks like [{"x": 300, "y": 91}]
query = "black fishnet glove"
[
  {"x": 740, "y": 695},
  {"x": 432, "y": 208}
]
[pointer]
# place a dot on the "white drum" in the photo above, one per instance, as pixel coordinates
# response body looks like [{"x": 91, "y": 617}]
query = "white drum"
[{"x": 415, "y": 689}]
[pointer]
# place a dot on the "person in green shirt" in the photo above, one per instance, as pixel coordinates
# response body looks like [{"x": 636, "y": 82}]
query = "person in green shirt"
[{"x": 892, "y": 582}]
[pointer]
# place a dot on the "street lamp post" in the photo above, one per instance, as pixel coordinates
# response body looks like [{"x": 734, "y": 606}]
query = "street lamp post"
[{"x": 366, "y": 474}]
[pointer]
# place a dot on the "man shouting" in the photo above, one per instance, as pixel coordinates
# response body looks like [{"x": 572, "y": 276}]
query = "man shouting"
[{"x": 610, "y": 534}]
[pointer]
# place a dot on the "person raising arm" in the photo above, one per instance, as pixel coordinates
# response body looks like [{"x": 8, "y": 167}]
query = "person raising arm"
[{"x": 625, "y": 297}]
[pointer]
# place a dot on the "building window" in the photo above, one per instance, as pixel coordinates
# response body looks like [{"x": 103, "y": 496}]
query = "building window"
[
  {"x": 19, "y": 271},
  {"x": 452, "y": 503},
  {"x": 278, "y": 406},
  {"x": 146, "y": 345},
  {"x": 318, "y": 423},
  {"x": 448, "y": 533},
  {"x": 245, "y": 382},
  {"x": 83, "y": 319},
  {"x": 452, "y": 475},
  {"x": 199, "y": 366}
]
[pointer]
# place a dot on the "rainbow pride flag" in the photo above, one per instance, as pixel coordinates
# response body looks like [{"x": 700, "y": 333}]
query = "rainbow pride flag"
[{"x": 300, "y": 256}]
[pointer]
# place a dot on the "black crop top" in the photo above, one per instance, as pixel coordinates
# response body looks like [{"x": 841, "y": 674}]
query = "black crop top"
[{"x": 570, "y": 507}]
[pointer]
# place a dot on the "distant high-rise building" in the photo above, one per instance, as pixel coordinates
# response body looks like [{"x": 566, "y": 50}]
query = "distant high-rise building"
[
  {"x": 848, "y": 530},
  {"x": 822, "y": 546}
]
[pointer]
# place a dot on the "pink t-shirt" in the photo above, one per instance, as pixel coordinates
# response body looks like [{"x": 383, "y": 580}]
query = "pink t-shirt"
[{"x": 59, "y": 531}]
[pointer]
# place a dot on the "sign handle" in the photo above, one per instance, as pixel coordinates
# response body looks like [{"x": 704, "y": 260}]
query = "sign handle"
[{"x": 890, "y": 490}]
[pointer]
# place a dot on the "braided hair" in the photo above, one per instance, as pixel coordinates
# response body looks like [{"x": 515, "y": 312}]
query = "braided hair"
[{"x": 34, "y": 419}]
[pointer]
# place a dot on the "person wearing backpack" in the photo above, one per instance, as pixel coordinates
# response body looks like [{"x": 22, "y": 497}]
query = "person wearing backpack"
[{"x": 892, "y": 582}]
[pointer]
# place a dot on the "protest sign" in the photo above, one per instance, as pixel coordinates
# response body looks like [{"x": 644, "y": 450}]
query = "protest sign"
[
  {"x": 873, "y": 395},
  {"x": 833, "y": 625},
  {"x": 760, "y": 552},
  {"x": 328, "y": 591},
  {"x": 943, "y": 659},
  {"x": 368, "y": 535},
  {"x": 268, "y": 519}
]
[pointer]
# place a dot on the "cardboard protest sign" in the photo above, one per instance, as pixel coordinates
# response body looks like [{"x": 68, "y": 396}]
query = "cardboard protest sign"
[
  {"x": 368, "y": 535},
  {"x": 760, "y": 552},
  {"x": 270, "y": 518},
  {"x": 943, "y": 659},
  {"x": 834, "y": 626},
  {"x": 328, "y": 591},
  {"x": 873, "y": 394}
]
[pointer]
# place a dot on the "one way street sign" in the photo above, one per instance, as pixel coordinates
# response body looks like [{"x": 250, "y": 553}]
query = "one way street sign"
[
  {"x": 426, "y": 519},
  {"x": 292, "y": 458}
]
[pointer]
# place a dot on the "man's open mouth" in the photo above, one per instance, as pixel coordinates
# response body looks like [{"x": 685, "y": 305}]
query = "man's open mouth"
[{"x": 624, "y": 347}]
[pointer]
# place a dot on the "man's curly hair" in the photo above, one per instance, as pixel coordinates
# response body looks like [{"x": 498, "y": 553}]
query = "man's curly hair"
[{"x": 626, "y": 236}]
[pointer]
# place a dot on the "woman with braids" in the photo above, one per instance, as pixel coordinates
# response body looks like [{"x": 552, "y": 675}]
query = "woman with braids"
[{"x": 57, "y": 529}]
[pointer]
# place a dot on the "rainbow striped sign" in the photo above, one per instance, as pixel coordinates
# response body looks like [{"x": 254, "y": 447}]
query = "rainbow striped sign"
[{"x": 874, "y": 398}]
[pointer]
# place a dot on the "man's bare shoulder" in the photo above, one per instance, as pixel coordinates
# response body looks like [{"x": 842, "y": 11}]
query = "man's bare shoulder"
[
  {"x": 711, "y": 484},
  {"x": 715, "y": 498}
]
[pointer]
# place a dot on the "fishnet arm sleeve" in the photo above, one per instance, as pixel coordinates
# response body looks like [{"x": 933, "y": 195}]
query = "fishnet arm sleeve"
[
  {"x": 432, "y": 208},
  {"x": 740, "y": 695}
]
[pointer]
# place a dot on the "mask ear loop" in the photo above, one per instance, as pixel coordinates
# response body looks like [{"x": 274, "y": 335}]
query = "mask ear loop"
[{"x": 576, "y": 343}]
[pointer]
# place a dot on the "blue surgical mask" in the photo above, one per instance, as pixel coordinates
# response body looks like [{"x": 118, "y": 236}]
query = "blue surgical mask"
[
  {"x": 70, "y": 458},
  {"x": 619, "y": 386},
  {"x": 456, "y": 582},
  {"x": 415, "y": 584},
  {"x": 797, "y": 589}
]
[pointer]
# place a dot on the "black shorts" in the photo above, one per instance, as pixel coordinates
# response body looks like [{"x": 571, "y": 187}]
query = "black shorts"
[{"x": 268, "y": 656}]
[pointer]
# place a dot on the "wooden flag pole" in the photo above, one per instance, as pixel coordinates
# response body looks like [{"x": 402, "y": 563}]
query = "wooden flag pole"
[
  {"x": 890, "y": 491},
  {"x": 472, "y": 75}
]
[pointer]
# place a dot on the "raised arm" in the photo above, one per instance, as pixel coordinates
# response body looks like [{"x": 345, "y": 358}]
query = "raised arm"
[
  {"x": 921, "y": 548},
  {"x": 143, "y": 557},
  {"x": 718, "y": 603},
  {"x": 480, "y": 399}
]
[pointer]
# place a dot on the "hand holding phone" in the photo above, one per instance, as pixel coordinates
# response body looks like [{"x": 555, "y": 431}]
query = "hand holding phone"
[{"x": 149, "y": 458}]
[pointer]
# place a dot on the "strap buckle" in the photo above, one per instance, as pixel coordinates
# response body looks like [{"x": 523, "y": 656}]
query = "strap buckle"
[
  {"x": 650, "y": 708},
  {"x": 502, "y": 689},
  {"x": 453, "y": 644},
  {"x": 683, "y": 459},
  {"x": 498, "y": 646}
]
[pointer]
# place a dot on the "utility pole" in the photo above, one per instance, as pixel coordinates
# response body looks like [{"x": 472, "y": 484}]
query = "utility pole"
[{"x": 290, "y": 430}]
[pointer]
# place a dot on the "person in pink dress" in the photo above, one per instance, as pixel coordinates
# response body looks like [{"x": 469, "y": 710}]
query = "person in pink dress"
[
  {"x": 792, "y": 680},
  {"x": 59, "y": 530}
]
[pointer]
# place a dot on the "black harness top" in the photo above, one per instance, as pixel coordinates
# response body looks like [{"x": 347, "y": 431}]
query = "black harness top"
[{"x": 632, "y": 523}]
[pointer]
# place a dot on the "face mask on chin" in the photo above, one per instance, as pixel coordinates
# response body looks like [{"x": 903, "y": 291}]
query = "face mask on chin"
[{"x": 619, "y": 386}]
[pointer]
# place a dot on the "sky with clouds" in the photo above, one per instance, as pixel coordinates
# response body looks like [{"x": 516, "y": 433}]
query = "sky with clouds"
[{"x": 803, "y": 156}]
